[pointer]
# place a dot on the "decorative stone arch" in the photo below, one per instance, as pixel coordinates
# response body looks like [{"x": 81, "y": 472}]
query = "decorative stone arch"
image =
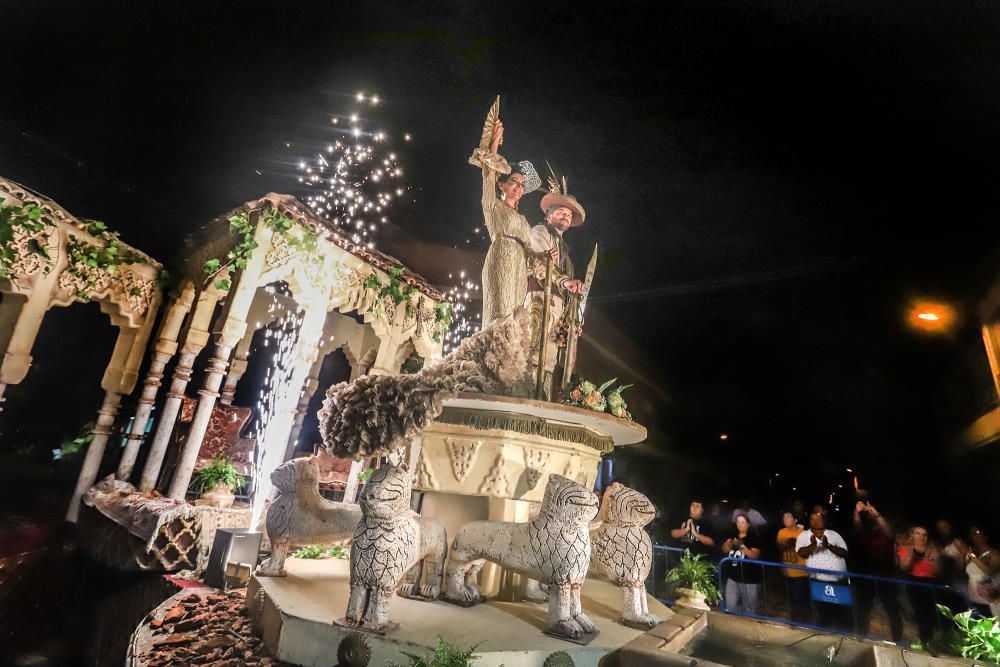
[
  {"x": 329, "y": 273},
  {"x": 366, "y": 361},
  {"x": 52, "y": 267}
]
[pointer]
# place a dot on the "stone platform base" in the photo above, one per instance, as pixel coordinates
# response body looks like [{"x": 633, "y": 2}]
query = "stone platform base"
[{"x": 295, "y": 615}]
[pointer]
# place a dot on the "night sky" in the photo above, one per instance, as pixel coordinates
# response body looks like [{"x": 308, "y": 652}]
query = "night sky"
[{"x": 771, "y": 185}]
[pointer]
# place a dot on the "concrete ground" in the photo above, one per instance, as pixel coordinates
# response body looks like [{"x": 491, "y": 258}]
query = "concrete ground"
[{"x": 296, "y": 614}]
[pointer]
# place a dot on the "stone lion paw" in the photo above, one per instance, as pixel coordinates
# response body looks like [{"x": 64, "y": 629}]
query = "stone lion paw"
[
  {"x": 430, "y": 592},
  {"x": 267, "y": 569},
  {"x": 648, "y": 620},
  {"x": 536, "y": 592},
  {"x": 408, "y": 590},
  {"x": 470, "y": 593},
  {"x": 585, "y": 623},
  {"x": 567, "y": 627}
]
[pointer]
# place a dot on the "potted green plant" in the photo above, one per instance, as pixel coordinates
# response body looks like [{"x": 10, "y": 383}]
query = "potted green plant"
[
  {"x": 215, "y": 483},
  {"x": 692, "y": 582},
  {"x": 971, "y": 638}
]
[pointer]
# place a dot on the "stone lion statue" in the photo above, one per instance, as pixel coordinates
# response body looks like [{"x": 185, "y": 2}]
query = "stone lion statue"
[
  {"x": 622, "y": 551},
  {"x": 392, "y": 544},
  {"x": 554, "y": 548},
  {"x": 300, "y": 515}
]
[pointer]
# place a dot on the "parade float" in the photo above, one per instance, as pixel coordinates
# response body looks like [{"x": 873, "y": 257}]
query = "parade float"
[
  {"x": 479, "y": 525},
  {"x": 508, "y": 525}
]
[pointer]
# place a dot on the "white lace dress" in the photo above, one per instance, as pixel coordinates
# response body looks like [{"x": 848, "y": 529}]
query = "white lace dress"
[{"x": 505, "y": 271}]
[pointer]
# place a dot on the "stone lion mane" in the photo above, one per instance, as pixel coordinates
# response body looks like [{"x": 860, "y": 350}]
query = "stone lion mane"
[
  {"x": 390, "y": 545},
  {"x": 554, "y": 549},
  {"x": 622, "y": 552},
  {"x": 380, "y": 413}
]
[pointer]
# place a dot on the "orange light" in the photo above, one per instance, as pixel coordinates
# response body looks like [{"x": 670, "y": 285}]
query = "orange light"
[
  {"x": 931, "y": 317},
  {"x": 723, "y": 437}
]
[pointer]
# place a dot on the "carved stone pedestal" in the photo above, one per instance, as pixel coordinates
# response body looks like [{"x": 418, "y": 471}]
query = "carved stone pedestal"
[{"x": 490, "y": 457}]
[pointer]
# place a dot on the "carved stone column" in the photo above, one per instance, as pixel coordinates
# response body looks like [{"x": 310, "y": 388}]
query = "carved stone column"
[
  {"x": 22, "y": 319},
  {"x": 308, "y": 364},
  {"x": 351, "y": 490},
  {"x": 237, "y": 368},
  {"x": 386, "y": 358},
  {"x": 194, "y": 343},
  {"x": 95, "y": 452},
  {"x": 363, "y": 364},
  {"x": 199, "y": 425},
  {"x": 311, "y": 385},
  {"x": 509, "y": 586},
  {"x": 163, "y": 352},
  {"x": 150, "y": 388}
]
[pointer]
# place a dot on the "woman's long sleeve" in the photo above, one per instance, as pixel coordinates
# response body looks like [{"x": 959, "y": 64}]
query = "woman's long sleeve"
[{"x": 492, "y": 164}]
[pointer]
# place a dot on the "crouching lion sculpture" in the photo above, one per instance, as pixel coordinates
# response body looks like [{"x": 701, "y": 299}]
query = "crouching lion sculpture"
[
  {"x": 391, "y": 543},
  {"x": 300, "y": 515},
  {"x": 622, "y": 551},
  {"x": 554, "y": 548}
]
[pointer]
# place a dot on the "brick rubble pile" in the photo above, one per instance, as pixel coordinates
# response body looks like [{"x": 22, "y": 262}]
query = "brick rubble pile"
[{"x": 214, "y": 630}]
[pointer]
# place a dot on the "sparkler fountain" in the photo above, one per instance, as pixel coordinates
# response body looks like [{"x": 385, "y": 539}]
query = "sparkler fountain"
[{"x": 277, "y": 405}]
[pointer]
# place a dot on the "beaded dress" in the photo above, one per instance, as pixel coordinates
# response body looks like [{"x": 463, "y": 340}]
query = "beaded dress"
[{"x": 505, "y": 272}]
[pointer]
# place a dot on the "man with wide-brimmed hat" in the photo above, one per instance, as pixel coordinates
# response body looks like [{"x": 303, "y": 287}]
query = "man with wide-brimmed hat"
[{"x": 562, "y": 211}]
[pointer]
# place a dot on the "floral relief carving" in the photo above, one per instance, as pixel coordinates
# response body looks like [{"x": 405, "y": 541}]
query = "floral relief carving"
[
  {"x": 425, "y": 317},
  {"x": 425, "y": 474},
  {"x": 135, "y": 290},
  {"x": 535, "y": 462},
  {"x": 389, "y": 307},
  {"x": 463, "y": 455},
  {"x": 349, "y": 293},
  {"x": 29, "y": 262},
  {"x": 280, "y": 251},
  {"x": 85, "y": 279},
  {"x": 496, "y": 483},
  {"x": 314, "y": 271}
]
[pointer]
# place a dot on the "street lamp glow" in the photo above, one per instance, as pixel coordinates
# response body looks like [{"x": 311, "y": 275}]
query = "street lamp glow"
[
  {"x": 931, "y": 317},
  {"x": 723, "y": 437}
]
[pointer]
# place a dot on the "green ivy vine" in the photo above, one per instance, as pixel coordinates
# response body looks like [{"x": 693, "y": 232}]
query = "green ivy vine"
[
  {"x": 443, "y": 316},
  {"x": 399, "y": 291},
  {"x": 240, "y": 255},
  {"x": 86, "y": 259},
  {"x": 395, "y": 289},
  {"x": 29, "y": 218}
]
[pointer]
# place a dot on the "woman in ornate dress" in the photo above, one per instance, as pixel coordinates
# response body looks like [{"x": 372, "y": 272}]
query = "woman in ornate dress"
[{"x": 505, "y": 272}]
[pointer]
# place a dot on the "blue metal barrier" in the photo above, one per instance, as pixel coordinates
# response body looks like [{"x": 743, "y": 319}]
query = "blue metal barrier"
[
  {"x": 664, "y": 560},
  {"x": 836, "y": 601}
]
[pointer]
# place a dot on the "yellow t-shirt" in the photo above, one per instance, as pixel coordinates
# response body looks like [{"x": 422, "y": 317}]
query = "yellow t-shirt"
[{"x": 790, "y": 556}]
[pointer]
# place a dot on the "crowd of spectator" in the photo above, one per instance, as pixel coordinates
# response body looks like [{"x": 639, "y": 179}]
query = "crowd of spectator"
[{"x": 895, "y": 564}]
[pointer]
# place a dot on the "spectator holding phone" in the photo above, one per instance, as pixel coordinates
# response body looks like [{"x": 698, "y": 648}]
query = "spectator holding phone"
[
  {"x": 875, "y": 553},
  {"x": 743, "y": 581},
  {"x": 982, "y": 565}
]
